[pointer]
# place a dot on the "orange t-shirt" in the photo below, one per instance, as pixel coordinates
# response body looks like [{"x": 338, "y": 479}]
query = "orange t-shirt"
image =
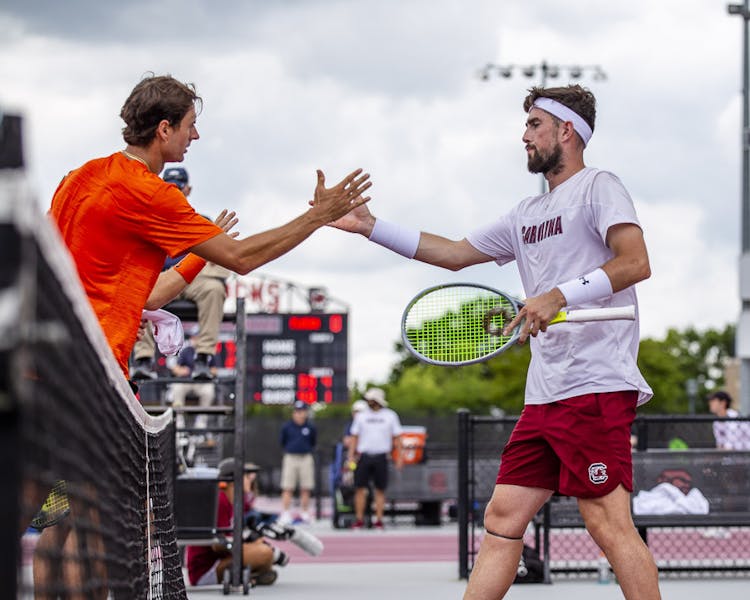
[{"x": 120, "y": 221}]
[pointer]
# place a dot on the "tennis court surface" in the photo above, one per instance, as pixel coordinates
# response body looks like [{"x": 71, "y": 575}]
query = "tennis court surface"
[{"x": 410, "y": 563}]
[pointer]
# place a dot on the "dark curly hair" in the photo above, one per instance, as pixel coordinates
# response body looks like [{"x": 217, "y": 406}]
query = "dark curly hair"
[
  {"x": 577, "y": 98},
  {"x": 153, "y": 100}
]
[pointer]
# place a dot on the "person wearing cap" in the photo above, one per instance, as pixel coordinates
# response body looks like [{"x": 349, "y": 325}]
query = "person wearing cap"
[
  {"x": 179, "y": 176},
  {"x": 375, "y": 432},
  {"x": 207, "y": 291},
  {"x": 298, "y": 437},
  {"x": 206, "y": 564},
  {"x": 579, "y": 245},
  {"x": 357, "y": 407}
]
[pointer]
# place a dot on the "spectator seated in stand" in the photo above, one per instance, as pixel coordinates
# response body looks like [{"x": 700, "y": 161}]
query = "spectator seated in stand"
[
  {"x": 207, "y": 291},
  {"x": 202, "y": 393}
]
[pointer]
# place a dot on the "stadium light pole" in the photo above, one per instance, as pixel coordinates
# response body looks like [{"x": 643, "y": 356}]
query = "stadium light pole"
[
  {"x": 742, "y": 343},
  {"x": 545, "y": 71}
]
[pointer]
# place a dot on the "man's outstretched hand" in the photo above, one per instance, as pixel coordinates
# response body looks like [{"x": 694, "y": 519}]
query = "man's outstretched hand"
[{"x": 330, "y": 204}]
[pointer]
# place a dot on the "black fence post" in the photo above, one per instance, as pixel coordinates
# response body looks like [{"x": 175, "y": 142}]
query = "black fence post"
[
  {"x": 463, "y": 492},
  {"x": 11, "y": 496},
  {"x": 641, "y": 428},
  {"x": 547, "y": 559},
  {"x": 240, "y": 390},
  {"x": 15, "y": 251},
  {"x": 318, "y": 485}
]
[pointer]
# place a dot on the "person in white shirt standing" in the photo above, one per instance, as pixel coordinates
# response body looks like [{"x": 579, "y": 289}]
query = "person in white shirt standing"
[
  {"x": 579, "y": 245},
  {"x": 375, "y": 432}
]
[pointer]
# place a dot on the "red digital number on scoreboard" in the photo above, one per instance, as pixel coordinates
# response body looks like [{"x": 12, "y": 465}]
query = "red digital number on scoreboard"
[
  {"x": 226, "y": 354},
  {"x": 308, "y": 388},
  {"x": 304, "y": 323}
]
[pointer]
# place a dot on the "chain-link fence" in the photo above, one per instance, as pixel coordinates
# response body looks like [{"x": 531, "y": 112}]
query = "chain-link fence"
[{"x": 691, "y": 501}]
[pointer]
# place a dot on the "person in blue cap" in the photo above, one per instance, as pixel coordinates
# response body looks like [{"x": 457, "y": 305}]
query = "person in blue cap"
[{"x": 298, "y": 438}]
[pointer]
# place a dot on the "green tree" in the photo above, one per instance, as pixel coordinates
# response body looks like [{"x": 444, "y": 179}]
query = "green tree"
[
  {"x": 670, "y": 363},
  {"x": 420, "y": 388},
  {"x": 666, "y": 364},
  {"x": 663, "y": 371}
]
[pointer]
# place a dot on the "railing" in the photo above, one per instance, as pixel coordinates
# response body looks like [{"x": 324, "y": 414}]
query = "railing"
[{"x": 672, "y": 449}]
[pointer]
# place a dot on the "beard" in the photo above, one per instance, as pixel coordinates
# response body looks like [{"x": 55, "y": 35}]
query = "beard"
[{"x": 538, "y": 163}]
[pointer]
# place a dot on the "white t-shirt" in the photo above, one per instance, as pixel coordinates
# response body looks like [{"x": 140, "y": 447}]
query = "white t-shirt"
[
  {"x": 375, "y": 430},
  {"x": 556, "y": 237},
  {"x": 732, "y": 435}
]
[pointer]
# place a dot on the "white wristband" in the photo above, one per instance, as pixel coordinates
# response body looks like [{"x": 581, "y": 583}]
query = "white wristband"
[
  {"x": 586, "y": 288},
  {"x": 401, "y": 240}
]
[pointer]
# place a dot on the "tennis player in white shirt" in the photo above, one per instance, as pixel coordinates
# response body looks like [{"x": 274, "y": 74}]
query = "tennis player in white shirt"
[{"x": 579, "y": 245}]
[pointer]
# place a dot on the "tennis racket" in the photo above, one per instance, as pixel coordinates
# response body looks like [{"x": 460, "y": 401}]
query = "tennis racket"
[
  {"x": 462, "y": 323},
  {"x": 55, "y": 508}
]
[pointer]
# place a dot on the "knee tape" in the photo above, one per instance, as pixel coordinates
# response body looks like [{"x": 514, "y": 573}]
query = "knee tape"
[{"x": 505, "y": 537}]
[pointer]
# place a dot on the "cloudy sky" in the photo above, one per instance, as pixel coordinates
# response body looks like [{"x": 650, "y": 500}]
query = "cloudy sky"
[{"x": 392, "y": 86}]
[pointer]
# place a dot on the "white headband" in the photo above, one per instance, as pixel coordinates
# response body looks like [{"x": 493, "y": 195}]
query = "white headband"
[{"x": 561, "y": 111}]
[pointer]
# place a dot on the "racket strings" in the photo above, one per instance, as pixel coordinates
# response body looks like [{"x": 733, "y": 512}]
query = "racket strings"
[
  {"x": 458, "y": 324},
  {"x": 55, "y": 507}
]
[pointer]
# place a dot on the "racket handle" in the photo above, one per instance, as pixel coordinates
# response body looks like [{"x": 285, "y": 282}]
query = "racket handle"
[{"x": 615, "y": 313}]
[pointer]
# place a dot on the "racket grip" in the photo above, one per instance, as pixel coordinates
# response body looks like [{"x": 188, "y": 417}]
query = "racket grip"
[{"x": 615, "y": 313}]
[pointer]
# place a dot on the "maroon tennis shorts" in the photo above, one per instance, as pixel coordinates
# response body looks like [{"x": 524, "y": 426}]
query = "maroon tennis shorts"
[{"x": 579, "y": 447}]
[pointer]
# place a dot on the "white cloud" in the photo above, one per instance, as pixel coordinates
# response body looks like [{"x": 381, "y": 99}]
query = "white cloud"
[
  {"x": 391, "y": 86},
  {"x": 693, "y": 282}
]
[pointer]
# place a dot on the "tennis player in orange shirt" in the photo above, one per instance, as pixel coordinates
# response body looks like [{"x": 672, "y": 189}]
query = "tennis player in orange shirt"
[{"x": 120, "y": 219}]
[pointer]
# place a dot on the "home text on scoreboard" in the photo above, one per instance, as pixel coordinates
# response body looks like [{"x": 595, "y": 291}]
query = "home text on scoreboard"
[{"x": 297, "y": 357}]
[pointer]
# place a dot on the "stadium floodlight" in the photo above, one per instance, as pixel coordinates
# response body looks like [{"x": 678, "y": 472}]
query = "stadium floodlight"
[
  {"x": 599, "y": 74},
  {"x": 546, "y": 70}
]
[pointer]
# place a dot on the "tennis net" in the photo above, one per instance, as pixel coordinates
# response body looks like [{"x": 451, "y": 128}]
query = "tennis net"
[{"x": 91, "y": 480}]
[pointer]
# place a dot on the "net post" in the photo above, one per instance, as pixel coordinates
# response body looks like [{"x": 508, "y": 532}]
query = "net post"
[
  {"x": 13, "y": 284},
  {"x": 11, "y": 496},
  {"x": 239, "y": 438}
]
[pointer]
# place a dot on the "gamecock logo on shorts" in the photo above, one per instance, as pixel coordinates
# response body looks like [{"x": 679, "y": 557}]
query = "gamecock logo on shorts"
[{"x": 598, "y": 473}]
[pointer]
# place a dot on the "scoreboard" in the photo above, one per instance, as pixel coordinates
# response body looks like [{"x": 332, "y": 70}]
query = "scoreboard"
[{"x": 297, "y": 357}]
